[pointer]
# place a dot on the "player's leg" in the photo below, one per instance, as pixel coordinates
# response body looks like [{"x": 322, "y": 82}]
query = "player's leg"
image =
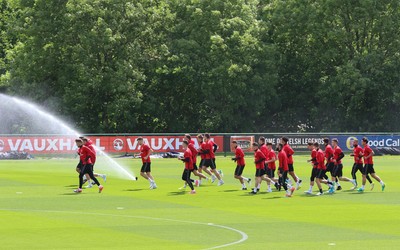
[
  {"x": 216, "y": 173},
  {"x": 257, "y": 181},
  {"x": 375, "y": 176},
  {"x": 312, "y": 180}
]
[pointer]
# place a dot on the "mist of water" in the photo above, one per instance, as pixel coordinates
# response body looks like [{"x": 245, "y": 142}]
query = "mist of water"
[{"x": 18, "y": 116}]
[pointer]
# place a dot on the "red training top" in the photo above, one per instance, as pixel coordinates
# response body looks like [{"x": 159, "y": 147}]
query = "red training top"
[
  {"x": 271, "y": 154},
  {"x": 193, "y": 150},
  {"x": 144, "y": 151},
  {"x": 336, "y": 154},
  {"x": 358, "y": 151},
  {"x": 283, "y": 161},
  {"x": 259, "y": 158},
  {"x": 314, "y": 156},
  {"x": 86, "y": 155},
  {"x": 368, "y": 151},
  {"x": 239, "y": 154},
  {"x": 188, "y": 155},
  {"x": 320, "y": 160},
  {"x": 329, "y": 153},
  {"x": 264, "y": 150},
  {"x": 289, "y": 153}
]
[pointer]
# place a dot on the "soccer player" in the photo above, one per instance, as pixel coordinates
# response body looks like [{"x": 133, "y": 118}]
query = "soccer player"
[
  {"x": 265, "y": 151},
  {"x": 145, "y": 171},
  {"x": 369, "y": 166},
  {"x": 240, "y": 164},
  {"x": 329, "y": 159},
  {"x": 86, "y": 155},
  {"x": 207, "y": 148},
  {"x": 193, "y": 149},
  {"x": 259, "y": 159},
  {"x": 314, "y": 164},
  {"x": 358, "y": 164},
  {"x": 188, "y": 160},
  {"x": 338, "y": 168},
  {"x": 289, "y": 153},
  {"x": 321, "y": 170},
  {"x": 283, "y": 170},
  {"x": 201, "y": 150},
  {"x": 271, "y": 166},
  {"x": 88, "y": 143}
]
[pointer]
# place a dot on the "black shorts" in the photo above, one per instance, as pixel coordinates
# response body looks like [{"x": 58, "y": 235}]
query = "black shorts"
[
  {"x": 88, "y": 168},
  {"x": 321, "y": 173},
  {"x": 146, "y": 167},
  {"x": 369, "y": 169},
  {"x": 358, "y": 167},
  {"x": 186, "y": 175},
  {"x": 208, "y": 163},
  {"x": 291, "y": 168},
  {"x": 239, "y": 170},
  {"x": 195, "y": 166},
  {"x": 80, "y": 165},
  {"x": 330, "y": 167},
  {"x": 201, "y": 163},
  {"x": 260, "y": 172},
  {"x": 314, "y": 173},
  {"x": 270, "y": 172},
  {"x": 338, "y": 170},
  {"x": 215, "y": 164}
]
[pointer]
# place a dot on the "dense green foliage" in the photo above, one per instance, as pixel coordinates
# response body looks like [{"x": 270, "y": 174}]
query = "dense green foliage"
[{"x": 222, "y": 66}]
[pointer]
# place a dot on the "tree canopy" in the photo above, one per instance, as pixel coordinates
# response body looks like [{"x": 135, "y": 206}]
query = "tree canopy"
[{"x": 213, "y": 65}]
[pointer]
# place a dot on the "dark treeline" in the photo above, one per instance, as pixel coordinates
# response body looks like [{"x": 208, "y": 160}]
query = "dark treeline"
[{"x": 206, "y": 65}]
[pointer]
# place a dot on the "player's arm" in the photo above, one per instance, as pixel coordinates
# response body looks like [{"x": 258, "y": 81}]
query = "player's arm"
[
  {"x": 369, "y": 156},
  {"x": 215, "y": 147},
  {"x": 273, "y": 159},
  {"x": 148, "y": 154}
]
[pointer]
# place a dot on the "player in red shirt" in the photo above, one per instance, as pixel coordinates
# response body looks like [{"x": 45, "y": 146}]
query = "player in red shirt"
[
  {"x": 201, "y": 151},
  {"x": 189, "y": 167},
  {"x": 88, "y": 143},
  {"x": 145, "y": 171},
  {"x": 193, "y": 149},
  {"x": 86, "y": 155},
  {"x": 283, "y": 170},
  {"x": 314, "y": 164},
  {"x": 289, "y": 153},
  {"x": 369, "y": 166},
  {"x": 209, "y": 149},
  {"x": 259, "y": 159},
  {"x": 240, "y": 164},
  {"x": 338, "y": 168},
  {"x": 271, "y": 166},
  {"x": 321, "y": 170},
  {"x": 358, "y": 163},
  {"x": 329, "y": 159}
]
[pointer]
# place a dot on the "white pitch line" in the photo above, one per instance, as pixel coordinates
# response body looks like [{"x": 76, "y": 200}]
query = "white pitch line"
[{"x": 243, "y": 234}]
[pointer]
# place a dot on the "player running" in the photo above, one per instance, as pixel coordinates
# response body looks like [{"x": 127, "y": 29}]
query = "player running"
[
  {"x": 271, "y": 166},
  {"x": 369, "y": 166},
  {"x": 145, "y": 171},
  {"x": 329, "y": 159},
  {"x": 188, "y": 160},
  {"x": 203, "y": 156},
  {"x": 259, "y": 161},
  {"x": 86, "y": 155},
  {"x": 321, "y": 170},
  {"x": 314, "y": 164},
  {"x": 193, "y": 149},
  {"x": 338, "y": 168},
  {"x": 208, "y": 149},
  {"x": 358, "y": 164},
  {"x": 88, "y": 143},
  {"x": 240, "y": 164},
  {"x": 289, "y": 153},
  {"x": 283, "y": 170}
]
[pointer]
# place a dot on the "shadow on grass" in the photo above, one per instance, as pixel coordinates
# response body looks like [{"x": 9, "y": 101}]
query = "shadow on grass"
[
  {"x": 72, "y": 194},
  {"x": 176, "y": 193},
  {"x": 133, "y": 190},
  {"x": 70, "y": 186},
  {"x": 231, "y": 190},
  {"x": 274, "y": 197}
]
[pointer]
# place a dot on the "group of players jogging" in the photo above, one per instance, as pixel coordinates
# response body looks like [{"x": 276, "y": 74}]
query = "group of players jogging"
[{"x": 265, "y": 160}]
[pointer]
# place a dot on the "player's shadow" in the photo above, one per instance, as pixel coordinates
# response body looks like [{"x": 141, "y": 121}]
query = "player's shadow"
[
  {"x": 273, "y": 198},
  {"x": 133, "y": 190},
  {"x": 72, "y": 194},
  {"x": 70, "y": 186},
  {"x": 231, "y": 190},
  {"x": 176, "y": 193}
]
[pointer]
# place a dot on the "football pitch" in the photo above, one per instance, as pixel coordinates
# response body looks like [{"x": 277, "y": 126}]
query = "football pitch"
[{"x": 38, "y": 210}]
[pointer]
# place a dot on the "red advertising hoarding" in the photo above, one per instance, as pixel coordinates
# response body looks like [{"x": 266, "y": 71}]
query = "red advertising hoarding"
[{"x": 108, "y": 144}]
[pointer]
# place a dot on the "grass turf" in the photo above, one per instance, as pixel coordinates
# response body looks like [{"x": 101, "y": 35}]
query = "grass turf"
[{"x": 38, "y": 210}]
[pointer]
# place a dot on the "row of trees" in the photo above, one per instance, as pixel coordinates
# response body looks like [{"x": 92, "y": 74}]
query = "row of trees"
[{"x": 209, "y": 65}]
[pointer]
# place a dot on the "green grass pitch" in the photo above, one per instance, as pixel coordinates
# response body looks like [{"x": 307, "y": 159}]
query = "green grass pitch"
[{"x": 38, "y": 210}]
